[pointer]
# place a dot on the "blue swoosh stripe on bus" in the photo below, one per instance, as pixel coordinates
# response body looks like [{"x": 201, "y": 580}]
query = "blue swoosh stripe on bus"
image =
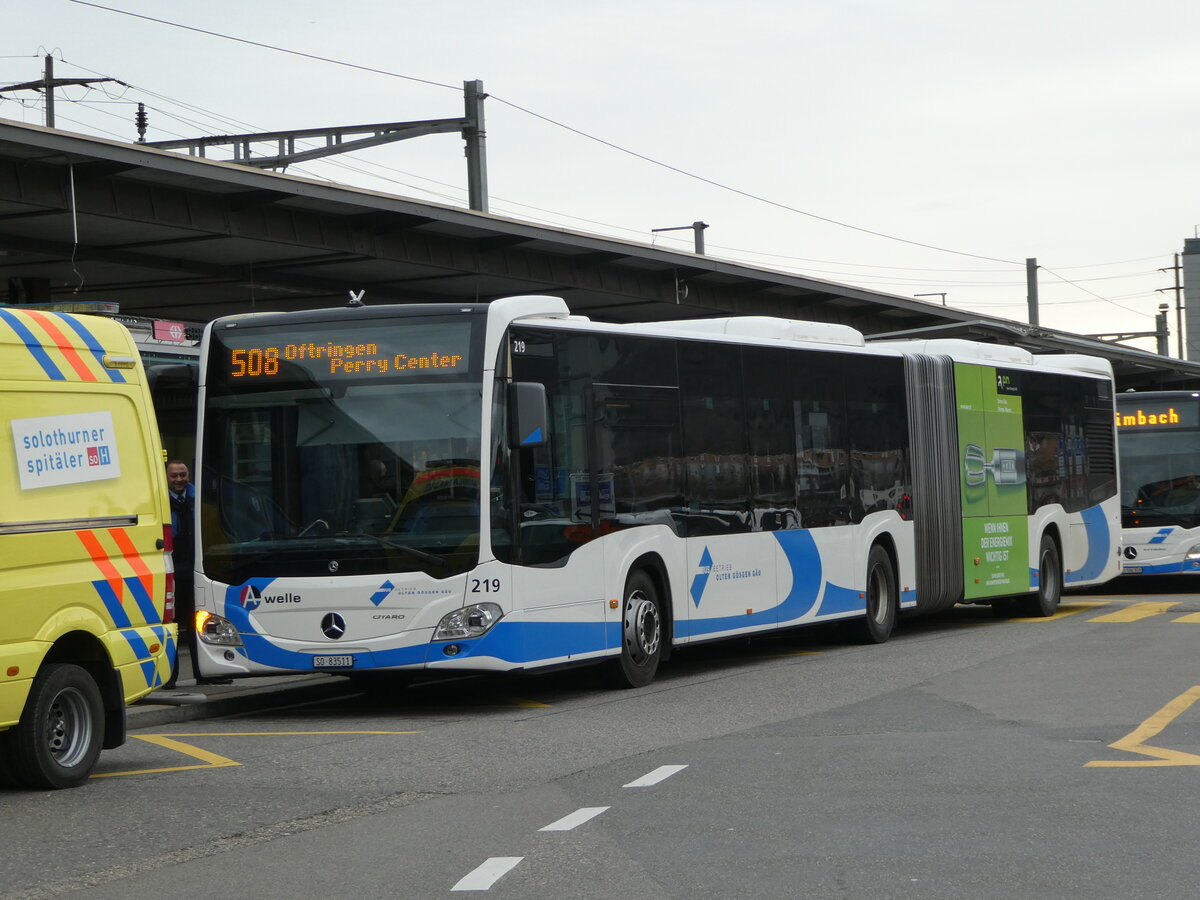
[
  {"x": 34, "y": 346},
  {"x": 93, "y": 345},
  {"x": 841, "y": 600},
  {"x": 1095, "y": 525},
  {"x": 804, "y": 560},
  {"x": 1171, "y": 568}
]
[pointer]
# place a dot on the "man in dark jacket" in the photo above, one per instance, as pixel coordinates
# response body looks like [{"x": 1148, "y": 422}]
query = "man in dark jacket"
[{"x": 183, "y": 508}]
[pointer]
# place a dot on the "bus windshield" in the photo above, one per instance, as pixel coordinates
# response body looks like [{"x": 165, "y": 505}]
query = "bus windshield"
[
  {"x": 1160, "y": 478},
  {"x": 348, "y": 450}
]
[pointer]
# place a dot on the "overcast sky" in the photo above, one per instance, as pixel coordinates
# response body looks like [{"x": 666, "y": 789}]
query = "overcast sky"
[{"x": 914, "y": 148}]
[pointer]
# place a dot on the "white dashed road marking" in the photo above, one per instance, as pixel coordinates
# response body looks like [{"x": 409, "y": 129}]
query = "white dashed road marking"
[
  {"x": 575, "y": 819},
  {"x": 487, "y": 874},
  {"x": 660, "y": 774}
]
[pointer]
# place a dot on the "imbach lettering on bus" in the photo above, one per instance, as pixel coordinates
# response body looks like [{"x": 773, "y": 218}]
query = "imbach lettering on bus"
[{"x": 1126, "y": 420}]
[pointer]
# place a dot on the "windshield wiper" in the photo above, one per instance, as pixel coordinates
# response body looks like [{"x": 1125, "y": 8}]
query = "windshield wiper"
[{"x": 424, "y": 556}]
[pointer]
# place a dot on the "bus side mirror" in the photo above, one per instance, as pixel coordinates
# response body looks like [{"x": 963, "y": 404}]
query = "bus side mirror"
[{"x": 526, "y": 414}]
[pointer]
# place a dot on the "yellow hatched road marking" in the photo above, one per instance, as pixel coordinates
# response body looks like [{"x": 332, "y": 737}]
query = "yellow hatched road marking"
[
  {"x": 1138, "y": 611},
  {"x": 210, "y": 760},
  {"x": 1190, "y": 617},
  {"x": 1134, "y": 742},
  {"x": 1064, "y": 609}
]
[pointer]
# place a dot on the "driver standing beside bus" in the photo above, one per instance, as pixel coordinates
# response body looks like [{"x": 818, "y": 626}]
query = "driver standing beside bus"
[{"x": 182, "y": 494}]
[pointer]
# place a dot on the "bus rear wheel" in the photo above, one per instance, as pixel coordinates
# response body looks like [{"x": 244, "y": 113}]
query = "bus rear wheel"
[
  {"x": 1050, "y": 583},
  {"x": 57, "y": 742},
  {"x": 641, "y": 634},
  {"x": 883, "y": 599}
]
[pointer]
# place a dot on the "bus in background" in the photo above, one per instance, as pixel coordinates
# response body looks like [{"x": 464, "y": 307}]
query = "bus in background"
[
  {"x": 507, "y": 486},
  {"x": 1160, "y": 481}
]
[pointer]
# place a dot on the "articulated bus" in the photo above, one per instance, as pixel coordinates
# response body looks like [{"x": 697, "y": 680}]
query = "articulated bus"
[
  {"x": 1160, "y": 481},
  {"x": 506, "y": 486}
]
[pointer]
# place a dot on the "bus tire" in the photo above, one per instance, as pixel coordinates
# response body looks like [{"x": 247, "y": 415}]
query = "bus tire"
[
  {"x": 883, "y": 599},
  {"x": 57, "y": 742},
  {"x": 1050, "y": 583},
  {"x": 641, "y": 634}
]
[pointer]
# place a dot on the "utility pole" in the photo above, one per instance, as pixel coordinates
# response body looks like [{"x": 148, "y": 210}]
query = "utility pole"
[
  {"x": 1161, "y": 332},
  {"x": 470, "y": 126},
  {"x": 1178, "y": 289},
  {"x": 1031, "y": 268},
  {"x": 473, "y": 134},
  {"x": 697, "y": 229},
  {"x": 49, "y": 83}
]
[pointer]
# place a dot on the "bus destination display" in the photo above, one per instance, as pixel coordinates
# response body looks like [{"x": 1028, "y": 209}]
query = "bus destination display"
[
  {"x": 341, "y": 359},
  {"x": 1142, "y": 416},
  {"x": 421, "y": 350}
]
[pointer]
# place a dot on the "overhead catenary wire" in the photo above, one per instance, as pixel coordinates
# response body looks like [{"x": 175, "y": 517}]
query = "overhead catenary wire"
[
  {"x": 602, "y": 141},
  {"x": 712, "y": 182},
  {"x": 646, "y": 158}
]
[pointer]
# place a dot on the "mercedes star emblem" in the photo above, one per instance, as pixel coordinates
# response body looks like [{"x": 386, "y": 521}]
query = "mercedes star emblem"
[{"x": 333, "y": 626}]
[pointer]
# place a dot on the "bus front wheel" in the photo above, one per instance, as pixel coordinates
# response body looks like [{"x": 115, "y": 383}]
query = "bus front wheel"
[
  {"x": 641, "y": 634},
  {"x": 883, "y": 599},
  {"x": 58, "y": 739}
]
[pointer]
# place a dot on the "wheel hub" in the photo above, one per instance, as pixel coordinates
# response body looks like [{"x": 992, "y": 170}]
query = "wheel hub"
[
  {"x": 643, "y": 630},
  {"x": 67, "y": 731}
]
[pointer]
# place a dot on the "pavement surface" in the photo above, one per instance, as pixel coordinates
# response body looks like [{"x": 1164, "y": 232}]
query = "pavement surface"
[{"x": 189, "y": 700}]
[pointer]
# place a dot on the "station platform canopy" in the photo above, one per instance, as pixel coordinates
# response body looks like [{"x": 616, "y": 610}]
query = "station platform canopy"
[{"x": 166, "y": 236}]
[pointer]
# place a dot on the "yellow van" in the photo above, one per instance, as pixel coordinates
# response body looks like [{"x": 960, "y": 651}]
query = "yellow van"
[{"x": 86, "y": 590}]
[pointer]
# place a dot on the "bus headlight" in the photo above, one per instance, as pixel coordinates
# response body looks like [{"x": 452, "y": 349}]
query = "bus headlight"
[
  {"x": 1193, "y": 552},
  {"x": 468, "y": 622},
  {"x": 214, "y": 629}
]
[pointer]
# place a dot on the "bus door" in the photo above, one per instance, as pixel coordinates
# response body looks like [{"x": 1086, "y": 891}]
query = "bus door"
[{"x": 559, "y": 581}]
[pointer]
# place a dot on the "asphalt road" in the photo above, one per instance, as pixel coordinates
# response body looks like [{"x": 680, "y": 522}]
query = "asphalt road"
[{"x": 968, "y": 757}]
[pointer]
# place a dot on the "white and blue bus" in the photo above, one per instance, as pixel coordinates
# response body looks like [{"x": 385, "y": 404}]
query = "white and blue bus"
[
  {"x": 1160, "y": 481},
  {"x": 505, "y": 486}
]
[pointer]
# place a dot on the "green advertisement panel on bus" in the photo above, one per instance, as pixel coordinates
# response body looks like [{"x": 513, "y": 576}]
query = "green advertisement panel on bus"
[{"x": 991, "y": 446}]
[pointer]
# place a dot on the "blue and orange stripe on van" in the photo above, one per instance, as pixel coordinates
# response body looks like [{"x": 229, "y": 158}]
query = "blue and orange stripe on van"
[
  {"x": 57, "y": 354},
  {"x": 129, "y": 620}
]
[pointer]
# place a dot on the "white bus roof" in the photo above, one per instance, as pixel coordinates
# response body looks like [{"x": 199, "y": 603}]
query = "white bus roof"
[{"x": 770, "y": 327}]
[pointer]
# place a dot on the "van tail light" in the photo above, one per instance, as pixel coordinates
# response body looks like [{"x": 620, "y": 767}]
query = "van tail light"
[{"x": 169, "y": 562}]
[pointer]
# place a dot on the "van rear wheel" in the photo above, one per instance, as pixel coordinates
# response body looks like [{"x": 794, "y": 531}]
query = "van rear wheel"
[{"x": 57, "y": 742}]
